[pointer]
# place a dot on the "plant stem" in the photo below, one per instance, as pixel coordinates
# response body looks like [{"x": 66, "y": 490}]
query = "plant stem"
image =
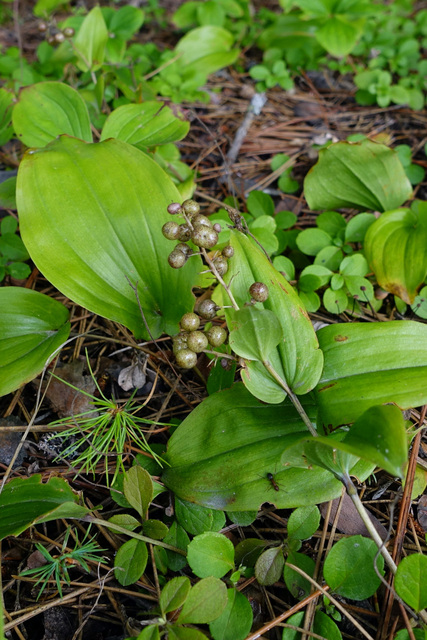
[
  {"x": 352, "y": 492},
  {"x": 294, "y": 399},
  {"x": 132, "y": 534}
]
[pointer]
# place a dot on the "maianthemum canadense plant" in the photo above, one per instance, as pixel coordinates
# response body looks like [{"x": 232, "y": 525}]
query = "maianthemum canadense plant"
[{"x": 313, "y": 409}]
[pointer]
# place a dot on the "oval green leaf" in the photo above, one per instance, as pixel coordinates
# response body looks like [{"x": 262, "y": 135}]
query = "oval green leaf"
[
  {"x": 349, "y": 568},
  {"x": 235, "y": 621},
  {"x": 130, "y": 562},
  {"x": 32, "y": 328},
  {"x": 91, "y": 218},
  {"x": 410, "y": 581},
  {"x": 364, "y": 175},
  {"x": 48, "y": 109},
  {"x": 395, "y": 246},
  {"x": 138, "y": 489},
  {"x": 205, "y": 602},
  {"x": 254, "y": 333},
  {"x": 211, "y": 554},
  {"x": 174, "y": 594}
]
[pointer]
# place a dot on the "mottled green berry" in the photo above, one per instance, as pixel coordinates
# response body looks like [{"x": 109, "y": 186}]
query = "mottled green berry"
[
  {"x": 177, "y": 259},
  {"x": 207, "y": 309},
  {"x": 179, "y": 341},
  {"x": 216, "y": 336},
  {"x": 68, "y": 32},
  {"x": 217, "y": 227},
  {"x": 201, "y": 221},
  {"x": 186, "y": 250},
  {"x": 221, "y": 265},
  {"x": 186, "y": 358},
  {"x": 191, "y": 207},
  {"x": 259, "y": 291},
  {"x": 171, "y": 230},
  {"x": 228, "y": 251},
  {"x": 190, "y": 322},
  {"x": 197, "y": 341},
  {"x": 204, "y": 237}
]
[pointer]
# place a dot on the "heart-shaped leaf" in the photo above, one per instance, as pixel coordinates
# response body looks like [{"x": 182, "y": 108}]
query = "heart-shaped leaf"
[
  {"x": 32, "y": 327},
  {"x": 91, "y": 218},
  {"x": 370, "y": 364},
  {"x": 395, "y": 246},
  {"x": 48, "y": 109},
  {"x": 365, "y": 175},
  {"x": 297, "y": 358},
  {"x": 223, "y": 454}
]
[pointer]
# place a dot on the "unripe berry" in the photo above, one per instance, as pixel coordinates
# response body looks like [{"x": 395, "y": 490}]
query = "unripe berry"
[
  {"x": 217, "y": 227},
  {"x": 177, "y": 259},
  {"x": 201, "y": 221},
  {"x": 191, "y": 207},
  {"x": 171, "y": 230},
  {"x": 221, "y": 265},
  {"x": 216, "y": 336},
  {"x": 42, "y": 27},
  {"x": 207, "y": 309},
  {"x": 68, "y": 32},
  {"x": 186, "y": 358},
  {"x": 184, "y": 232},
  {"x": 59, "y": 37},
  {"x": 51, "y": 40},
  {"x": 204, "y": 237},
  {"x": 228, "y": 251},
  {"x": 186, "y": 250},
  {"x": 180, "y": 341},
  {"x": 174, "y": 208},
  {"x": 190, "y": 322},
  {"x": 259, "y": 291},
  {"x": 197, "y": 341}
]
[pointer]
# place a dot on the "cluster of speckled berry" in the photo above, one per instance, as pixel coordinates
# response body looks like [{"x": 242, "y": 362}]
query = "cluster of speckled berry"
[
  {"x": 191, "y": 340},
  {"x": 197, "y": 228},
  {"x": 54, "y": 35}
]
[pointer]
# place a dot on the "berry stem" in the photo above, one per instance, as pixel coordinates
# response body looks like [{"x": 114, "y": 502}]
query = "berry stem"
[{"x": 294, "y": 399}]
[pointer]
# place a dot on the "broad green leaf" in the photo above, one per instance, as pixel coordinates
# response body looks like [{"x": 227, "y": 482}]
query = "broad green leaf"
[
  {"x": 354, "y": 265},
  {"x": 144, "y": 125},
  {"x": 349, "y": 568},
  {"x": 12, "y": 247},
  {"x": 138, "y": 489},
  {"x": 260, "y": 204},
  {"x": 248, "y": 551},
  {"x": 176, "y": 632},
  {"x": 254, "y": 333},
  {"x": 303, "y": 522},
  {"x": 48, "y": 109},
  {"x": 206, "y": 49},
  {"x": 149, "y": 633},
  {"x": 211, "y": 554},
  {"x": 91, "y": 218},
  {"x": 45, "y": 7},
  {"x": 221, "y": 453},
  {"x": 332, "y": 222},
  {"x": 28, "y": 501},
  {"x": 155, "y": 529},
  {"x": 91, "y": 41},
  {"x": 364, "y": 175},
  {"x": 32, "y": 327},
  {"x": 395, "y": 246},
  {"x": 126, "y": 521},
  {"x": 370, "y": 364},
  {"x": 410, "y": 581},
  {"x": 235, "y": 621},
  {"x": 174, "y": 594},
  {"x": 297, "y": 358},
  {"x": 205, "y": 602},
  {"x": 130, "y": 561},
  {"x": 339, "y": 35},
  {"x": 269, "y": 566},
  {"x": 125, "y": 21},
  {"x": 178, "y": 538},
  {"x": 311, "y": 241}
]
